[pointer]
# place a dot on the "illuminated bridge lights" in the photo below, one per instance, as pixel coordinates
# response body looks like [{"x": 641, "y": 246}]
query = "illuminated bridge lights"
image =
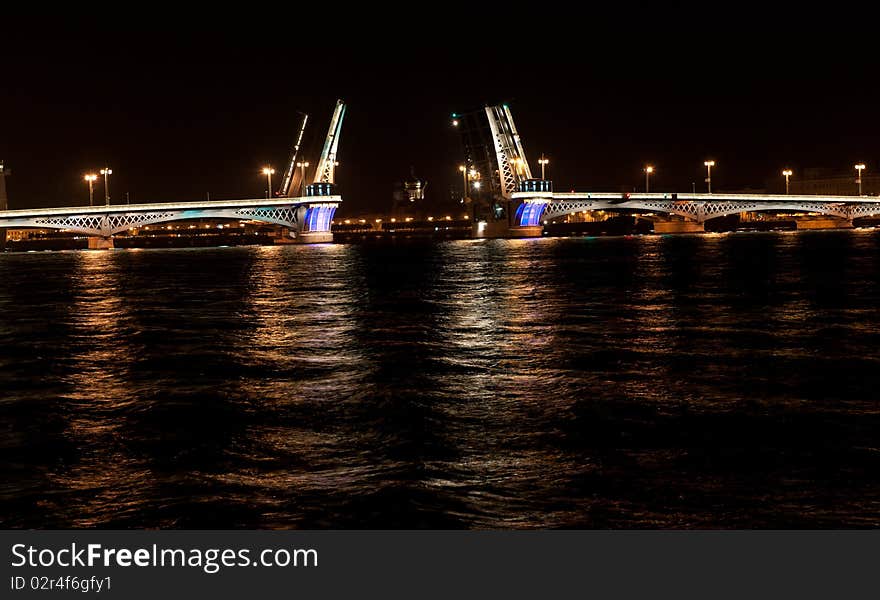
[
  {"x": 106, "y": 221},
  {"x": 321, "y": 188},
  {"x": 529, "y": 212},
  {"x": 696, "y": 207},
  {"x": 319, "y": 216}
]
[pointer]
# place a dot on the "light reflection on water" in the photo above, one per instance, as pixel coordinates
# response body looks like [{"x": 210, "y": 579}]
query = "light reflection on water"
[{"x": 656, "y": 381}]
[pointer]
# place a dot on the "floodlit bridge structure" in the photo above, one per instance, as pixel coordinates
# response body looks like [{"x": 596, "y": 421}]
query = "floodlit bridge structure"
[
  {"x": 507, "y": 200},
  {"x": 695, "y": 209},
  {"x": 307, "y": 217}
]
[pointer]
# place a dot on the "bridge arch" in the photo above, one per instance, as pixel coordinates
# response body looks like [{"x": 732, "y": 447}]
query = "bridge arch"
[
  {"x": 108, "y": 225},
  {"x": 701, "y": 211},
  {"x": 300, "y": 216}
]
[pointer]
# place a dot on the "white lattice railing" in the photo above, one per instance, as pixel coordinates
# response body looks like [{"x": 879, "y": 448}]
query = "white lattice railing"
[{"x": 703, "y": 210}]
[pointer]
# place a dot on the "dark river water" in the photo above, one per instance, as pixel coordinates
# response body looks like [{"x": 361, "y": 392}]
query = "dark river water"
[{"x": 675, "y": 382}]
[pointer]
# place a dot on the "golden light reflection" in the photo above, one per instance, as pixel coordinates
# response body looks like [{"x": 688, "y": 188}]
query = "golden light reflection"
[
  {"x": 499, "y": 321},
  {"x": 99, "y": 389},
  {"x": 301, "y": 303}
]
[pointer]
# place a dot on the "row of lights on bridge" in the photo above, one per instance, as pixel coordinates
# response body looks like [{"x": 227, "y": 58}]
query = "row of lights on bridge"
[
  {"x": 649, "y": 170},
  {"x": 472, "y": 174},
  {"x": 467, "y": 176},
  {"x": 301, "y": 165},
  {"x": 787, "y": 173},
  {"x": 90, "y": 179}
]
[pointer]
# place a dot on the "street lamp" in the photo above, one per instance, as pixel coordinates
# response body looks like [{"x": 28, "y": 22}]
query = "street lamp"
[
  {"x": 107, "y": 172},
  {"x": 464, "y": 181},
  {"x": 648, "y": 171},
  {"x": 517, "y": 164},
  {"x": 302, "y": 165},
  {"x": 90, "y": 178},
  {"x": 786, "y": 173},
  {"x": 543, "y": 162},
  {"x": 860, "y": 167},
  {"x": 709, "y": 164},
  {"x": 268, "y": 172},
  {"x": 474, "y": 177}
]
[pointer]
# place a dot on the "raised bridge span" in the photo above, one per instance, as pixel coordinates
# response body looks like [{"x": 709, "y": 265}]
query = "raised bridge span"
[
  {"x": 307, "y": 217},
  {"x": 508, "y": 200}
]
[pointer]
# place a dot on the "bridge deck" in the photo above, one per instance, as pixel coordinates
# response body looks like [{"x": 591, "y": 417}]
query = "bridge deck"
[
  {"x": 697, "y": 207},
  {"x": 721, "y": 197},
  {"x": 167, "y": 206}
]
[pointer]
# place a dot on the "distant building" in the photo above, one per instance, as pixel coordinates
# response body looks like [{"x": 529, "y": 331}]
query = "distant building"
[
  {"x": 456, "y": 195},
  {"x": 415, "y": 187},
  {"x": 409, "y": 196}
]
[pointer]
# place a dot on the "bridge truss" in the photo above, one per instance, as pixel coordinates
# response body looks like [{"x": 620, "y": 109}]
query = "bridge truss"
[
  {"x": 702, "y": 207},
  {"x": 298, "y": 214}
]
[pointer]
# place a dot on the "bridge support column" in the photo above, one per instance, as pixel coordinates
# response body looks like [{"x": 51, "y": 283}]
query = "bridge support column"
[
  {"x": 500, "y": 229},
  {"x": 678, "y": 227},
  {"x": 523, "y": 232},
  {"x": 101, "y": 243},
  {"x": 291, "y": 236},
  {"x": 824, "y": 223},
  {"x": 313, "y": 225},
  {"x": 313, "y": 237}
]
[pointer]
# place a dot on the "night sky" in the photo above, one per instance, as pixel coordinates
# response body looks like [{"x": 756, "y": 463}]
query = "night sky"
[{"x": 181, "y": 111}]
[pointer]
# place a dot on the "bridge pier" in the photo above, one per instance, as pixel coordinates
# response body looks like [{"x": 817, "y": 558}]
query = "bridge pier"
[
  {"x": 304, "y": 237},
  {"x": 315, "y": 237},
  {"x": 526, "y": 232},
  {"x": 823, "y": 223},
  {"x": 312, "y": 224},
  {"x": 500, "y": 229},
  {"x": 678, "y": 227},
  {"x": 101, "y": 243}
]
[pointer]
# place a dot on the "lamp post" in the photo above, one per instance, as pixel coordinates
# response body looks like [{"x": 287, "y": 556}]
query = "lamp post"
[
  {"x": 786, "y": 173},
  {"x": 709, "y": 164},
  {"x": 543, "y": 162},
  {"x": 464, "y": 182},
  {"x": 860, "y": 167},
  {"x": 648, "y": 171},
  {"x": 474, "y": 176},
  {"x": 517, "y": 165},
  {"x": 90, "y": 179},
  {"x": 303, "y": 165},
  {"x": 268, "y": 172},
  {"x": 107, "y": 172}
]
